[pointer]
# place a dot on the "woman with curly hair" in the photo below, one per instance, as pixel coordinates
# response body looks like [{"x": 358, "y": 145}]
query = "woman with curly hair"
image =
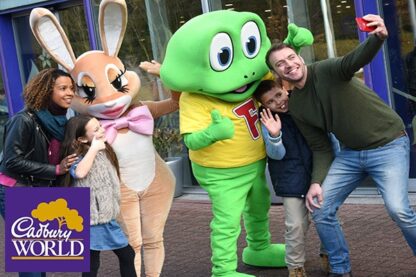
[{"x": 32, "y": 137}]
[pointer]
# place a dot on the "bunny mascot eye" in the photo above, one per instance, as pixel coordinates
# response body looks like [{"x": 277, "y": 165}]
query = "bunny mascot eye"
[
  {"x": 120, "y": 82},
  {"x": 86, "y": 89},
  {"x": 87, "y": 92},
  {"x": 106, "y": 90}
]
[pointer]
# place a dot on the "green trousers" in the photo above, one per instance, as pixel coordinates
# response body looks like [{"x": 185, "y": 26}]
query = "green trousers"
[{"x": 235, "y": 192}]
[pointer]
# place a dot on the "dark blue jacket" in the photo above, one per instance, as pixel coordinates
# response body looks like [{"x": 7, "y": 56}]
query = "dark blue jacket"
[{"x": 291, "y": 176}]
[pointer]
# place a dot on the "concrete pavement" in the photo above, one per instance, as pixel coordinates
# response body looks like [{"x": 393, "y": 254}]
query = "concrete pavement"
[{"x": 377, "y": 246}]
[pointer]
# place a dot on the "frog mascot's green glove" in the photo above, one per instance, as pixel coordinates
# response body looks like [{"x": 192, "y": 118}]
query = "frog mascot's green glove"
[
  {"x": 298, "y": 37},
  {"x": 218, "y": 59}
]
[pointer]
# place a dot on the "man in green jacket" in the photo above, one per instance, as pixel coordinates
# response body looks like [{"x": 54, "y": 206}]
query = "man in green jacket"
[{"x": 327, "y": 98}]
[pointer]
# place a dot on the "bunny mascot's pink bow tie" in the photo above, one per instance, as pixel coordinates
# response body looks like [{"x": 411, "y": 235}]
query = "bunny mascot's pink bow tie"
[{"x": 138, "y": 120}]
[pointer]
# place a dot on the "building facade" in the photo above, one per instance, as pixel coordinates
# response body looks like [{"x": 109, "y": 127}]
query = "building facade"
[{"x": 392, "y": 74}]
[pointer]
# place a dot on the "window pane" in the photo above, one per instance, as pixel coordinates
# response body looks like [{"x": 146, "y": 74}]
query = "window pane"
[
  {"x": 273, "y": 13},
  {"x": 149, "y": 27},
  {"x": 316, "y": 21},
  {"x": 140, "y": 44},
  {"x": 137, "y": 47},
  {"x": 180, "y": 11},
  {"x": 342, "y": 28},
  {"x": 32, "y": 57},
  {"x": 73, "y": 22},
  {"x": 4, "y": 112},
  {"x": 402, "y": 61},
  {"x": 343, "y": 22}
]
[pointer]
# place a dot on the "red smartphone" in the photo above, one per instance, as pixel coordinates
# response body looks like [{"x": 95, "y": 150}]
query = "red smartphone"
[{"x": 362, "y": 25}]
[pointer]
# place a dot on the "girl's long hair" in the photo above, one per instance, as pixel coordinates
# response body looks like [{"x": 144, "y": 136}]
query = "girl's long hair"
[{"x": 75, "y": 128}]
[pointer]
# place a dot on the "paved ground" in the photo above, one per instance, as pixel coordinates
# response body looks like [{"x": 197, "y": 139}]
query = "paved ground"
[{"x": 376, "y": 244}]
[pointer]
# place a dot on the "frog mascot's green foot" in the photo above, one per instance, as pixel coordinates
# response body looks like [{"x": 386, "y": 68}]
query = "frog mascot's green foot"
[
  {"x": 234, "y": 274},
  {"x": 272, "y": 256}
]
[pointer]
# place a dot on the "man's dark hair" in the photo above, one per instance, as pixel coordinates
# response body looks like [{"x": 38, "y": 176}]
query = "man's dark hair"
[
  {"x": 276, "y": 46},
  {"x": 265, "y": 86}
]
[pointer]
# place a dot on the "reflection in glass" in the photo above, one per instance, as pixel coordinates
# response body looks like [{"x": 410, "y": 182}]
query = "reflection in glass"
[
  {"x": 32, "y": 57},
  {"x": 316, "y": 21},
  {"x": 402, "y": 58},
  {"x": 273, "y": 13},
  {"x": 73, "y": 22},
  {"x": 180, "y": 11},
  {"x": 4, "y": 112},
  {"x": 341, "y": 20},
  {"x": 149, "y": 27},
  {"x": 344, "y": 27}
]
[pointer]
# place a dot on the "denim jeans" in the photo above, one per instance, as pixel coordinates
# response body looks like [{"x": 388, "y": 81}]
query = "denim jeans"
[{"x": 388, "y": 166}]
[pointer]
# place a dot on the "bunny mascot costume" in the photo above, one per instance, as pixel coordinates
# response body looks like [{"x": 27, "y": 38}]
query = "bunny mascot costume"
[{"x": 105, "y": 90}]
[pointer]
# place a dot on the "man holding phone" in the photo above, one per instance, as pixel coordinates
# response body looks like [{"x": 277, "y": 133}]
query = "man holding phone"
[
  {"x": 363, "y": 25},
  {"x": 328, "y": 98}
]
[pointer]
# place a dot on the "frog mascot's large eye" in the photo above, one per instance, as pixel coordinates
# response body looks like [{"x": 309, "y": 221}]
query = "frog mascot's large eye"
[
  {"x": 250, "y": 39},
  {"x": 221, "y": 52}
]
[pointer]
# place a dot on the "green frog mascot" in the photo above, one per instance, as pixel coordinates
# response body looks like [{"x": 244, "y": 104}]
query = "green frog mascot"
[{"x": 217, "y": 59}]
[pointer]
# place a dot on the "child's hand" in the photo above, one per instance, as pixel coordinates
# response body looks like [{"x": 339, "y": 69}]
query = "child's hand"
[
  {"x": 98, "y": 143},
  {"x": 273, "y": 125}
]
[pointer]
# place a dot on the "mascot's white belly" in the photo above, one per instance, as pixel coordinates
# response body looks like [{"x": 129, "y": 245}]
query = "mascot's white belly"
[{"x": 137, "y": 160}]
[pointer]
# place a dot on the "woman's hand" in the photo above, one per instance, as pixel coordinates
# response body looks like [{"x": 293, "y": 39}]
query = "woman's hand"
[{"x": 66, "y": 163}]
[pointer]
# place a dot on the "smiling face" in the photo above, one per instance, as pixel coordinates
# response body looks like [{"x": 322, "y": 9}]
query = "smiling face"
[
  {"x": 288, "y": 65},
  {"x": 93, "y": 129},
  {"x": 63, "y": 92},
  {"x": 105, "y": 87},
  {"x": 276, "y": 99},
  {"x": 219, "y": 54}
]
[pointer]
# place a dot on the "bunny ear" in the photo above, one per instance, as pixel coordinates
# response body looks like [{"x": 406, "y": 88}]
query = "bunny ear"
[
  {"x": 50, "y": 35},
  {"x": 112, "y": 21}
]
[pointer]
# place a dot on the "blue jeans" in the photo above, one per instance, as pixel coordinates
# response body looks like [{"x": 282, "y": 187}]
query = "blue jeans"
[{"x": 388, "y": 166}]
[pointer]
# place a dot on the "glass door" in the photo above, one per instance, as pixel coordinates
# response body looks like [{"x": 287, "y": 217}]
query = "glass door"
[
  {"x": 32, "y": 58},
  {"x": 4, "y": 111},
  {"x": 400, "y": 20}
]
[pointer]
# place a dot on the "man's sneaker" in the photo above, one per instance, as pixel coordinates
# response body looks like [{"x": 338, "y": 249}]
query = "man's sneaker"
[
  {"x": 325, "y": 267},
  {"x": 340, "y": 275},
  {"x": 297, "y": 272}
]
